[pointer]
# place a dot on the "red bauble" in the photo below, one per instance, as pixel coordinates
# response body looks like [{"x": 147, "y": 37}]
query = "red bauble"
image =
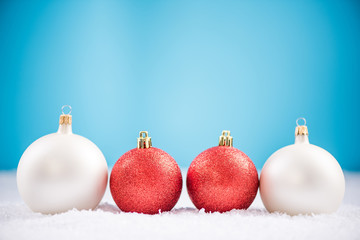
[
  {"x": 222, "y": 178},
  {"x": 146, "y": 180}
]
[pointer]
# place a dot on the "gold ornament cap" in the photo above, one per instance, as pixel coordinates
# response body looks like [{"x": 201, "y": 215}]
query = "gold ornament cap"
[
  {"x": 301, "y": 129},
  {"x": 144, "y": 141},
  {"x": 65, "y": 118},
  {"x": 225, "y": 139}
]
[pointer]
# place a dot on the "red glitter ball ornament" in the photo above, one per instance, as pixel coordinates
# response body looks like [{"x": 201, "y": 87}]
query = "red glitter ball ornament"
[
  {"x": 145, "y": 179},
  {"x": 222, "y": 178}
]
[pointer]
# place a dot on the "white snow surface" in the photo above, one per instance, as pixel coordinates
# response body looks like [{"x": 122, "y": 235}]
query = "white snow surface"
[{"x": 17, "y": 221}]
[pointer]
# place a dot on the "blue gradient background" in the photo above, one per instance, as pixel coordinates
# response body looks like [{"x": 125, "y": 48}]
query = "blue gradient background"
[{"x": 184, "y": 71}]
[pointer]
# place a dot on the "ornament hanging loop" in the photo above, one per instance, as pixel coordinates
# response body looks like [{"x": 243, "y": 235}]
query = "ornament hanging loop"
[
  {"x": 301, "y": 118},
  {"x": 225, "y": 139},
  {"x": 66, "y": 106},
  {"x": 144, "y": 141},
  {"x": 301, "y": 129}
]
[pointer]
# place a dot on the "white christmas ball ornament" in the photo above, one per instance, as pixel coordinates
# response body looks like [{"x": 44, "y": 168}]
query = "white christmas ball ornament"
[
  {"x": 302, "y": 179},
  {"x": 62, "y": 171}
]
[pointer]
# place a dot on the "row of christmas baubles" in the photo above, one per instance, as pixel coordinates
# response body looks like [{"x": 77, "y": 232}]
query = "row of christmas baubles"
[{"x": 62, "y": 171}]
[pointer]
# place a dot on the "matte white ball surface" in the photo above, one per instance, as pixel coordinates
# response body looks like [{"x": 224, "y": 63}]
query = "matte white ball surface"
[
  {"x": 62, "y": 171},
  {"x": 302, "y": 179}
]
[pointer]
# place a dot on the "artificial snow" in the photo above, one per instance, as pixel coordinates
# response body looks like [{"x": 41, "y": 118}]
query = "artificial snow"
[{"x": 17, "y": 221}]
